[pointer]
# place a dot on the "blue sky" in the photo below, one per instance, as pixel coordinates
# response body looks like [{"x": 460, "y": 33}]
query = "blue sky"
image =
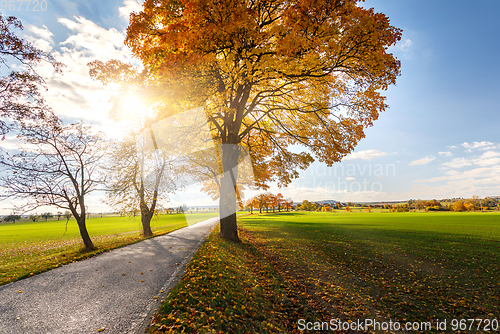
[{"x": 438, "y": 139}]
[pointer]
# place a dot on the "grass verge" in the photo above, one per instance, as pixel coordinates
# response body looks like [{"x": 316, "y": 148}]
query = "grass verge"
[{"x": 230, "y": 288}]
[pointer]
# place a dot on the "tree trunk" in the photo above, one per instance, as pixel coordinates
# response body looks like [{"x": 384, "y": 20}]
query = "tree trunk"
[
  {"x": 146, "y": 224},
  {"x": 146, "y": 214},
  {"x": 227, "y": 200},
  {"x": 85, "y": 234}
]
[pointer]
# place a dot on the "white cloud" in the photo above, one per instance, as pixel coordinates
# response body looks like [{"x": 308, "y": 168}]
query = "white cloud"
[
  {"x": 478, "y": 175},
  {"x": 10, "y": 143},
  {"x": 475, "y": 175},
  {"x": 13, "y": 144},
  {"x": 472, "y": 174},
  {"x": 490, "y": 154},
  {"x": 128, "y": 7},
  {"x": 92, "y": 41},
  {"x": 404, "y": 48},
  {"x": 483, "y": 145},
  {"x": 350, "y": 178},
  {"x": 42, "y": 38},
  {"x": 422, "y": 161},
  {"x": 457, "y": 163},
  {"x": 488, "y": 158},
  {"x": 404, "y": 45},
  {"x": 445, "y": 154},
  {"x": 365, "y": 155}
]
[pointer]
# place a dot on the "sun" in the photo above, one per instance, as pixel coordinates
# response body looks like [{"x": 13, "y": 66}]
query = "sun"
[
  {"x": 129, "y": 114},
  {"x": 132, "y": 108}
]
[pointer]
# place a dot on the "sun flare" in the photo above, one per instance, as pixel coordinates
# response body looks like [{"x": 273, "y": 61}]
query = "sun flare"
[{"x": 132, "y": 108}]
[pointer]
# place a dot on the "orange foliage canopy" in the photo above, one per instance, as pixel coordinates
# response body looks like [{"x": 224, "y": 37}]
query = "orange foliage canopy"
[{"x": 271, "y": 74}]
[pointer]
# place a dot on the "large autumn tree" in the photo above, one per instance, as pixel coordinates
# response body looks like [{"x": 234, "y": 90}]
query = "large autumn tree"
[{"x": 270, "y": 74}]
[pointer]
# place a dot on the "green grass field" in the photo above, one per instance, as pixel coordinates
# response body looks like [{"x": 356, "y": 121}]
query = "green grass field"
[
  {"x": 415, "y": 266},
  {"x": 399, "y": 266},
  {"x": 27, "y": 248}
]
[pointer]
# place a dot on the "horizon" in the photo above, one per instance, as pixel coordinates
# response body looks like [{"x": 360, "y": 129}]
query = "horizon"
[{"x": 427, "y": 144}]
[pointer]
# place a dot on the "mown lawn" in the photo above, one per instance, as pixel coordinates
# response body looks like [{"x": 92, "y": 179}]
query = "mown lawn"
[
  {"x": 28, "y": 248},
  {"x": 231, "y": 288},
  {"x": 406, "y": 266},
  {"x": 398, "y": 266}
]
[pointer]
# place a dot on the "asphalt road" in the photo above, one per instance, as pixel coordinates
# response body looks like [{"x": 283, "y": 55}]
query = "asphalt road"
[{"x": 117, "y": 290}]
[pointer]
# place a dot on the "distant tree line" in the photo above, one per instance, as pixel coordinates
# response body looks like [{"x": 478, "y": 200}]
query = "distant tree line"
[
  {"x": 458, "y": 205},
  {"x": 269, "y": 202}
]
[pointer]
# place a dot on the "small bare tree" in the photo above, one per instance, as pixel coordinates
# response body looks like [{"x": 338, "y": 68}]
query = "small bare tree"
[
  {"x": 57, "y": 166},
  {"x": 144, "y": 178}
]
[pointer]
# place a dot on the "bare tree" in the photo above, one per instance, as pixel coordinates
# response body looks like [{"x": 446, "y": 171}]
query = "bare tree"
[
  {"x": 57, "y": 166},
  {"x": 67, "y": 215},
  {"x": 144, "y": 178},
  {"x": 20, "y": 97}
]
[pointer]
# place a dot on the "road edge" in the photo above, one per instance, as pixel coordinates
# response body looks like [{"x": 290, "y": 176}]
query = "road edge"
[{"x": 141, "y": 326}]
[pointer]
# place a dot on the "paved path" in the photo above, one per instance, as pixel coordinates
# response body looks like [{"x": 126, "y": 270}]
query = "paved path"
[{"x": 117, "y": 290}]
